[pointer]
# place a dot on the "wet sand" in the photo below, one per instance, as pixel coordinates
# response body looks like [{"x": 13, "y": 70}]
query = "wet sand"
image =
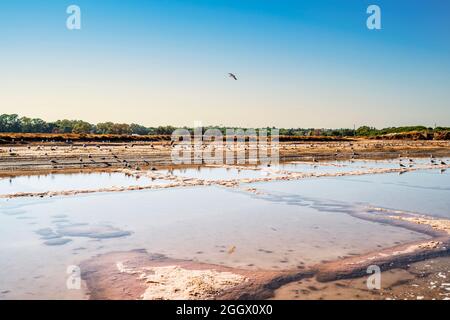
[{"x": 425, "y": 280}]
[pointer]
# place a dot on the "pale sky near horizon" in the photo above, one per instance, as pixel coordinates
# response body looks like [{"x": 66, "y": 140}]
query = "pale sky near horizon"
[{"x": 160, "y": 62}]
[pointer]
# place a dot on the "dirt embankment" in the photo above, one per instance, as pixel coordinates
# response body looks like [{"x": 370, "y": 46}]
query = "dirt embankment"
[
  {"x": 415, "y": 135},
  {"x": 6, "y": 137},
  {"x": 69, "y": 138}
]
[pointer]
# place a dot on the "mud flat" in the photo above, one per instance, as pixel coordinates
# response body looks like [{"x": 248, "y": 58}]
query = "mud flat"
[
  {"x": 57, "y": 156},
  {"x": 424, "y": 280}
]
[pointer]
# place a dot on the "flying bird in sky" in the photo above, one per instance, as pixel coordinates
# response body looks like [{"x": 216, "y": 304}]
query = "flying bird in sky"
[{"x": 232, "y": 76}]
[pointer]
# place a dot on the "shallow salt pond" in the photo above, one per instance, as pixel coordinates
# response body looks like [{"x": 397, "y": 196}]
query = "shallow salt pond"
[
  {"x": 292, "y": 225},
  {"x": 40, "y": 238},
  {"x": 422, "y": 191},
  {"x": 73, "y": 181}
]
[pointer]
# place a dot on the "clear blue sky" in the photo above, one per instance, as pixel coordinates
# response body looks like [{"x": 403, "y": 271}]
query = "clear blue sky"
[{"x": 299, "y": 63}]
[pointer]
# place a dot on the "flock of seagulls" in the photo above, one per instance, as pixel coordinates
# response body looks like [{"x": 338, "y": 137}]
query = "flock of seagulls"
[
  {"x": 89, "y": 158},
  {"x": 404, "y": 162},
  {"x": 410, "y": 163}
]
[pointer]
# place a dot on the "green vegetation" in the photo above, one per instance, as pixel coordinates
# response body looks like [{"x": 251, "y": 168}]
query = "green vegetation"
[
  {"x": 369, "y": 131},
  {"x": 14, "y": 124}
]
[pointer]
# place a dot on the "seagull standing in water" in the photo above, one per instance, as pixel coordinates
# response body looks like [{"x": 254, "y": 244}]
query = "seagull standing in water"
[{"x": 231, "y": 75}]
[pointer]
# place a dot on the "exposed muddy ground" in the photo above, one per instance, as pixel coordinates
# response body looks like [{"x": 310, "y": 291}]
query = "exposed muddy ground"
[
  {"x": 125, "y": 275},
  {"x": 60, "y": 156},
  {"x": 425, "y": 280}
]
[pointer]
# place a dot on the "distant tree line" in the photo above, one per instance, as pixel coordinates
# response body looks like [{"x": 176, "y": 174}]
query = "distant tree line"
[{"x": 15, "y": 124}]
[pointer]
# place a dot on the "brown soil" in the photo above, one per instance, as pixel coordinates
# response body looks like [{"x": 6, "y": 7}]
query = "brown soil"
[{"x": 425, "y": 280}]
